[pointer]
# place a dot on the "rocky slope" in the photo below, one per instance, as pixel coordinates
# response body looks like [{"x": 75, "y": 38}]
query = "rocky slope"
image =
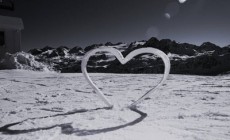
[{"x": 207, "y": 59}]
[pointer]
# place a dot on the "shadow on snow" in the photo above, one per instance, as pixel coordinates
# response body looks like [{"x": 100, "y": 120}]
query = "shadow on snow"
[{"x": 68, "y": 129}]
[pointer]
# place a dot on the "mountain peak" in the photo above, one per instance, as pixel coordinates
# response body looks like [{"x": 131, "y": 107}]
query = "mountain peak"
[{"x": 208, "y": 46}]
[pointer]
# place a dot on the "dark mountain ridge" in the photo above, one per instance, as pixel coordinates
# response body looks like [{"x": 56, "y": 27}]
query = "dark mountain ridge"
[{"x": 206, "y": 59}]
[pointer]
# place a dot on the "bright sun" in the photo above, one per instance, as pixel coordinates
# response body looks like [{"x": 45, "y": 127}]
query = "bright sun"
[{"x": 182, "y": 1}]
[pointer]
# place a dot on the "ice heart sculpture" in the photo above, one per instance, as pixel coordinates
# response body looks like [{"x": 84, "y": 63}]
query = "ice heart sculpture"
[{"x": 123, "y": 60}]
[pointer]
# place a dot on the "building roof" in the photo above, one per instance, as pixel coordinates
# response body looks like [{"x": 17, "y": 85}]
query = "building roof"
[{"x": 11, "y": 23}]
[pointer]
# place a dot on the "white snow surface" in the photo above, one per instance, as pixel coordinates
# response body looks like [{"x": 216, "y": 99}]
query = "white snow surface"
[
  {"x": 53, "y": 106},
  {"x": 139, "y": 43},
  {"x": 26, "y": 61}
]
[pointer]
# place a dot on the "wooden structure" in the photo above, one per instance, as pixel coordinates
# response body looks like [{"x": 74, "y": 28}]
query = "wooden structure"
[{"x": 10, "y": 30}]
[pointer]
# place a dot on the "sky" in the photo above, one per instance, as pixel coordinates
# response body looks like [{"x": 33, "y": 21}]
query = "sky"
[{"x": 84, "y": 22}]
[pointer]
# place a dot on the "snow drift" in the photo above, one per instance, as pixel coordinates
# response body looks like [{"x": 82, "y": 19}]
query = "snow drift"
[{"x": 23, "y": 60}]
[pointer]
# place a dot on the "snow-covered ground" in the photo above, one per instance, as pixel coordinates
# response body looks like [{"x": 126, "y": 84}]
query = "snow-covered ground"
[{"x": 52, "y": 106}]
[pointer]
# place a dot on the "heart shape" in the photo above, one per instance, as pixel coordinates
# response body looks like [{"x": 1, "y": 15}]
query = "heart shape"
[{"x": 123, "y": 61}]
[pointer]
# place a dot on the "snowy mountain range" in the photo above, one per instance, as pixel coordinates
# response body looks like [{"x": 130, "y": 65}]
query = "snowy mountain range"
[{"x": 207, "y": 59}]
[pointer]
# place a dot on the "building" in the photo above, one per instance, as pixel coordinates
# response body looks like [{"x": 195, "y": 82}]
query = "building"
[{"x": 10, "y": 34}]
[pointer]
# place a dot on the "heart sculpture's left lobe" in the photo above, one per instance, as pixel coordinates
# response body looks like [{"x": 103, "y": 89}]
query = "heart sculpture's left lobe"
[{"x": 123, "y": 60}]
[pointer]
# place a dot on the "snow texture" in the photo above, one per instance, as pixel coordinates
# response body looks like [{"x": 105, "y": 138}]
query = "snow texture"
[{"x": 53, "y": 106}]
